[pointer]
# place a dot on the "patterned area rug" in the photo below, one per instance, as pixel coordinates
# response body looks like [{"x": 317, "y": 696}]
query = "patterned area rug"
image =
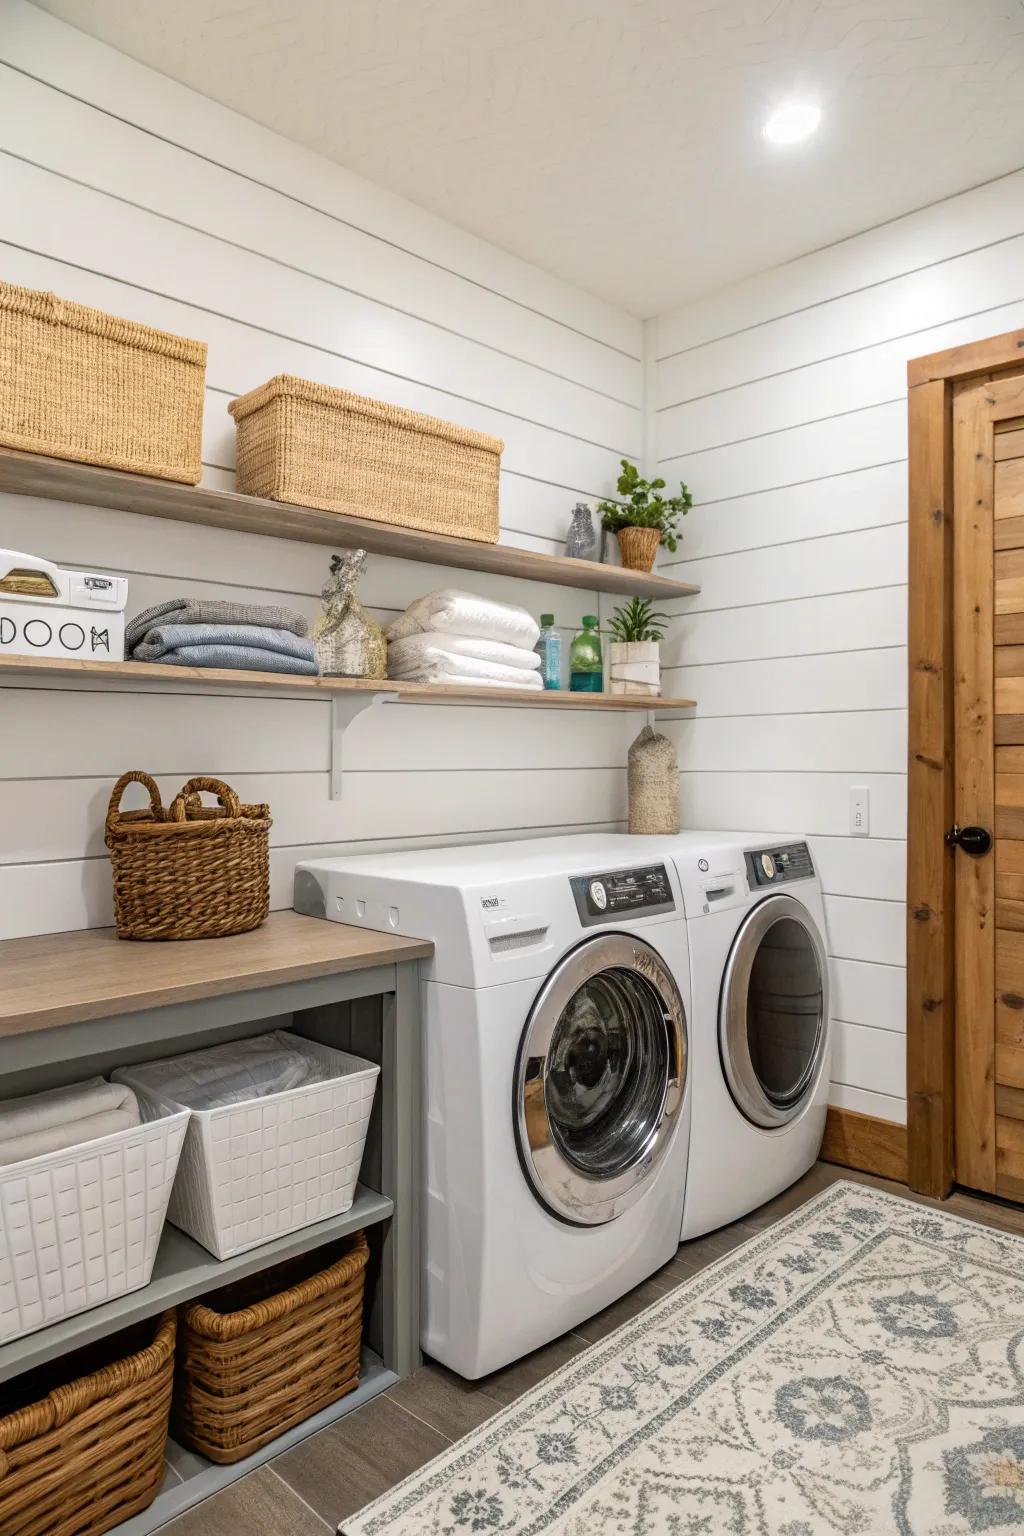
[{"x": 857, "y": 1369}]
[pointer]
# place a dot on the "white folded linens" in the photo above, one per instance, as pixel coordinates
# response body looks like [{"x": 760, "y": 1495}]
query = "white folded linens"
[
  {"x": 232, "y": 1073},
  {"x": 64, "y": 1117},
  {"x": 461, "y": 613},
  {"x": 437, "y": 674},
  {"x": 403, "y": 654},
  {"x": 444, "y": 666}
]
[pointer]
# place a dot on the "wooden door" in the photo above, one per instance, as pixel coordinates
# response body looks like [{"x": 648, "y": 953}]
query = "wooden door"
[{"x": 988, "y": 645}]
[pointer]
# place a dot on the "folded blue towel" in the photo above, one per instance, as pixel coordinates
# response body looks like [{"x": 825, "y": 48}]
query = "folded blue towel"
[
  {"x": 243, "y": 658},
  {"x": 156, "y": 642}
]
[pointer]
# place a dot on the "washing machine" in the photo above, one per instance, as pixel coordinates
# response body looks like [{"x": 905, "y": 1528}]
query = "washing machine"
[
  {"x": 556, "y": 1045},
  {"x": 759, "y": 1023}
]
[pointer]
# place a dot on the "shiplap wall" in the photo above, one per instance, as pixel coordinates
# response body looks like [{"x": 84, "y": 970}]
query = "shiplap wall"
[
  {"x": 123, "y": 190},
  {"x": 782, "y": 402}
]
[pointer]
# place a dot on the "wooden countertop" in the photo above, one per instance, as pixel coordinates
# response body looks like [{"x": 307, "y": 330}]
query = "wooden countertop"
[{"x": 67, "y": 978}]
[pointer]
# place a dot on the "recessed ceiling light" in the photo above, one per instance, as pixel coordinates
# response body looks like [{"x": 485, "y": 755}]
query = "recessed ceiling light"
[{"x": 792, "y": 122}]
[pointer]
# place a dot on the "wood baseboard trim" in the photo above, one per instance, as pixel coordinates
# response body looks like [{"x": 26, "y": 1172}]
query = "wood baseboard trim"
[{"x": 865, "y": 1143}]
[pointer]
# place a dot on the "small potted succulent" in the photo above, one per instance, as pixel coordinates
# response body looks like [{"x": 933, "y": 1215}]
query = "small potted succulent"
[
  {"x": 644, "y": 518},
  {"x": 634, "y": 657}
]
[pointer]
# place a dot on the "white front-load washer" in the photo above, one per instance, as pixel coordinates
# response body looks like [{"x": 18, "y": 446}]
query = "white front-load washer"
[
  {"x": 555, "y": 1013},
  {"x": 759, "y": 1025}
]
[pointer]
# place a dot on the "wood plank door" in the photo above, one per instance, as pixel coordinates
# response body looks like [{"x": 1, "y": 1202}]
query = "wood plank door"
[{"x": 988, "y": 644}]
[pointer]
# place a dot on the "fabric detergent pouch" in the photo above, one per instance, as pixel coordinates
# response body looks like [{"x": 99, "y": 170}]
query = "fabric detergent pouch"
[
  {"x": 348, "y": 642},
  {"x": 72, "y": 615}
]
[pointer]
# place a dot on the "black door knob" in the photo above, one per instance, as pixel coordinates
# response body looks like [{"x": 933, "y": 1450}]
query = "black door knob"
[{"x": 973, "y": 840}]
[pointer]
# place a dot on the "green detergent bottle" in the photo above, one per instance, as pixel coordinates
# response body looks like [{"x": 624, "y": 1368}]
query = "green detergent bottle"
[{"x": 586, "y": 672}]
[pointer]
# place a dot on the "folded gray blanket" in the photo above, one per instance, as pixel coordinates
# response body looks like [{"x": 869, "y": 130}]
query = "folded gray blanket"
[
  {"x": 245, "y": 647},
  {"x": 194, "y": 610}
]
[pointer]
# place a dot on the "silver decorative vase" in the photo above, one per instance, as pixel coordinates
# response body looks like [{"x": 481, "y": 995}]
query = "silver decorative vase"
[{"x": 581, "y": 540}]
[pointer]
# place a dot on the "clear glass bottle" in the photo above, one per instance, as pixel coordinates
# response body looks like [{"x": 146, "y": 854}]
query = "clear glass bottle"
[
  {"x": 549, "y": 649},
  {"x": 586, "y": 668}
]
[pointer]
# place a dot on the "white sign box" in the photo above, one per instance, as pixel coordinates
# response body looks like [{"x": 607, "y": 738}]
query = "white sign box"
[{"x": 45, "y": 611}]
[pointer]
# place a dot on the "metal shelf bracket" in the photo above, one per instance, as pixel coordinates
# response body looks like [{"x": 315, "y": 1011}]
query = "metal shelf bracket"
[{"x": 344, "y": 709}]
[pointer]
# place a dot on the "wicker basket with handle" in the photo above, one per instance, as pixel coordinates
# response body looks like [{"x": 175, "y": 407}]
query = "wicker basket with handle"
[
  {"x": 188, "y": 871},
  {"x": 328, "y": 448},
  {"x": 246, "y": 1376},
  {"x": 82, "y": 384},
  {"x": 89, "y": 1453}
]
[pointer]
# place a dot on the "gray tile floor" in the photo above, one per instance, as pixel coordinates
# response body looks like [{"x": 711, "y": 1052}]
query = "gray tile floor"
[{"x": 308, "y": 1490}]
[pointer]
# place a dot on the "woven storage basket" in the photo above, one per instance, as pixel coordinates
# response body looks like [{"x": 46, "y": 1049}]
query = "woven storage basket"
[
  {"x": 327, "y": 448},
  {"x": 90, "y": 1452},
  {"x": 81, "y": 384},
  {"x": 188, "y": 872},
  {"x": 246, "y": 1376}
]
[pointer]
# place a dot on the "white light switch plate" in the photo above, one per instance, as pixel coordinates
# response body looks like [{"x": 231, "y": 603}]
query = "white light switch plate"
[{"x": 860, "y": 814}]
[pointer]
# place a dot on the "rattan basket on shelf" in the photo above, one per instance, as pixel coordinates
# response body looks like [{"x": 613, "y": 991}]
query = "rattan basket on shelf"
[
  {"x": 89, "y": 1453},
  {"x": 188, "y": 871},
  {"x": 292, "y": 1347},
  {"x": 81, "y": 384},
  {"x": 328, "y": 448}
]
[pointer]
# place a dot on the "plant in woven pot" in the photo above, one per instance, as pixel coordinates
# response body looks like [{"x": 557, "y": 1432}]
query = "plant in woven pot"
[
  {"x": 644, "y": 518},
  {"x": 634, "y": 655}
]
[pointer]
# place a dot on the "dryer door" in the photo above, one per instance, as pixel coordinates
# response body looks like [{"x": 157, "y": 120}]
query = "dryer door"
[
  {"x": 773, "y": 1016},
  {"x": 600, "y": 1078}
]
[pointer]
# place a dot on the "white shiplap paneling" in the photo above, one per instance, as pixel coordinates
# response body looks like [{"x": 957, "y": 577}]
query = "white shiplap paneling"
[
  {"x": 124, "y": 191},
  {"x": 782, "y": 402}
]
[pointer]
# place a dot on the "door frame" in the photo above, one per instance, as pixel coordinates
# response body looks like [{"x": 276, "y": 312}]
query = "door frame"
[{"x": 931, "y": 1015}]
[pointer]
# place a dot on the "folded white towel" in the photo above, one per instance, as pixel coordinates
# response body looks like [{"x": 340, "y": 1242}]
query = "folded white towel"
[
  {"x": 461, "y": 613},
  {"x": 410, "y": 652},
  {"x": 441, "y": 666},
  {"x": 437, "y": 674},
  {"x": 64, "y": 1117}
]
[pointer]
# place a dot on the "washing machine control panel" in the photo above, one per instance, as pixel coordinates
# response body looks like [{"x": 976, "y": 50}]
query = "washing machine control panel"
[
  {"x": 775, "y": 866},
  {"x": 603, "y": 898}
]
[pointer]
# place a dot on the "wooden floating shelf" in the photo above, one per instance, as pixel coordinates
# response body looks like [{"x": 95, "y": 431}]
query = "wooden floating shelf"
[
  {"x": 29, "y": 474},
  {"x": 183, "y": 1270},
  {"x": 128, "y": 673}
]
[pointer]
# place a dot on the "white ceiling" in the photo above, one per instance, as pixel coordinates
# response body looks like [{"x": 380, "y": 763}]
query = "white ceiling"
[{"x": 616, "y": 142}]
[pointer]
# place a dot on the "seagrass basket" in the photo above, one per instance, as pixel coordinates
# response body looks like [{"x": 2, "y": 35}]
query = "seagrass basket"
[
  {"x": 81, "y": 384},
  {"x": 188, "y": 871},
  {"x": 328, "y": 448},
  {"x": 89, "y": 1452},
  {"x": 292, "y": 1347}
]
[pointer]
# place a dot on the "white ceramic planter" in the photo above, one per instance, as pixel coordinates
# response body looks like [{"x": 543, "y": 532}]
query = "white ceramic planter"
[{"x": 634, "y": 666}]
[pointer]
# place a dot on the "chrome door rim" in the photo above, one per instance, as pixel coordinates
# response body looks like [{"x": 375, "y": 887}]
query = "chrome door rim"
[
  {"x": 744, "y": 1084},
  {"x": 565, "y": 1189}
]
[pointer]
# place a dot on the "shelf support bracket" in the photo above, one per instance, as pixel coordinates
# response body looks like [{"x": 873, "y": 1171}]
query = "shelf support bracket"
[
  {"x": 653, "y": 717},
  {"x": 344, "y": 709}
]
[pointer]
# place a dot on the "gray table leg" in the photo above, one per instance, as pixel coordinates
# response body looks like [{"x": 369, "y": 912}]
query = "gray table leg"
[{"x": 401, "y": 1155}]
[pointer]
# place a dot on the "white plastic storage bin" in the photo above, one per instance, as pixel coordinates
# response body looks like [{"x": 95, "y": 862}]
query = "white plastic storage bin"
[
  {"x": 261, "y": 1166},
  {"x": 81, "y": 1226}
]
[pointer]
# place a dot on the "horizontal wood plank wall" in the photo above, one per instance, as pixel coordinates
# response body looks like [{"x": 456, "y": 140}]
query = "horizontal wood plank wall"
[
  {"x": 123, "y": 190},
  {"x": 782, "y": 402}
]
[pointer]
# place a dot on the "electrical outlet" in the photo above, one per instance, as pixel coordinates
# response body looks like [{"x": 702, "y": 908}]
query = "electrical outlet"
[{"x": 860, "y": 816}]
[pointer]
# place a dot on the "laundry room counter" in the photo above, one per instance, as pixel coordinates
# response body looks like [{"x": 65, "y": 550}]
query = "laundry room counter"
[{"x": 68, "y": 978}]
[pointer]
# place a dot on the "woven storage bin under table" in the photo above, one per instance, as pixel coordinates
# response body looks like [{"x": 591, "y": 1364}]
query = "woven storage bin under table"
[
  {"x": 81, "y": 384},
  {"x": 263, "y": 1166},
  {"x": 188, "y": 872},
  {"x": 82, "y": 1441},
  {"x": 82, "y": 1225},
  {"x": 321, "y": 447},
  {"x": 291, "y": 1348}
]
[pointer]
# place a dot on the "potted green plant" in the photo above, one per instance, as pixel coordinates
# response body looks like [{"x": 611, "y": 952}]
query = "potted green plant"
[
  {"x": 644, "y": 518},
  {"x": 634, "y": 656}
]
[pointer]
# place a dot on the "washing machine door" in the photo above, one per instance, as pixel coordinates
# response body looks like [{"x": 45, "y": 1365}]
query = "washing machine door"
[
  {"x": 600, "y": 1078},
  {"x": 773, "y": 1015}
]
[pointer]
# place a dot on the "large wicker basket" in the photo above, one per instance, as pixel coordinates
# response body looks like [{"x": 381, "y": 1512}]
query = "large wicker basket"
[
  {"x": 327, "y": 448},
  {"x": 81, "y": 384},
  {"x": 89, "y": 1453},
  {"x": 188, "y": 872},
  {"x": 246, "y": 1376}
]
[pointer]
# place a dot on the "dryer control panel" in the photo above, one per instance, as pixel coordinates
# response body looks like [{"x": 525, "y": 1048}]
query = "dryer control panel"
[
  {"x": 621, "y": 893},
  {"x": 776, "y": 866}
]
